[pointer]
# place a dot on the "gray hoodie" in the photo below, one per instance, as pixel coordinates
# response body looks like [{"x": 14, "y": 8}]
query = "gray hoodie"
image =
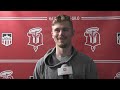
[{"x": 83, "y": 67}]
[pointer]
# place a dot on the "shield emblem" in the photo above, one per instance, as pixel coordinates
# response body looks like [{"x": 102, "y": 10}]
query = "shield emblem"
[
  {"x": 6, "y": 39},
  {"x": 117, "y": 76},
  {"x": 35, "y": 38},
  {"x": 7, "y": 74},
  {"x": 118, "y": 38},
  {"x": 92, "y": 37}
]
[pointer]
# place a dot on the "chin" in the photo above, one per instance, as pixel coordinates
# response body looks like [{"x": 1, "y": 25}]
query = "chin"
[{"x": 62, "y": 46}]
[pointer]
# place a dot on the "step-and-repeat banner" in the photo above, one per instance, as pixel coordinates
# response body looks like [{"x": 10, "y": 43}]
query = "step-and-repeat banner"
[{"x": 25, "y": 36}]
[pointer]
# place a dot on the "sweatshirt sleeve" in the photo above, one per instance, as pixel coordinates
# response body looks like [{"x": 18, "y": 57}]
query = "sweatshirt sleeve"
[
  {"x": 38, "y": 72},
  {"x": 91, "y": 72}
]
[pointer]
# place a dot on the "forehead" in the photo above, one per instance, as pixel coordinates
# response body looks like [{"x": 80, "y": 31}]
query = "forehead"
[{"x": 61, "y": 24}]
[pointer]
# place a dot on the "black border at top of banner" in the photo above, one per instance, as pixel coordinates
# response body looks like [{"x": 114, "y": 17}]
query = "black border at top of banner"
[{"x": 59, "y": 5}]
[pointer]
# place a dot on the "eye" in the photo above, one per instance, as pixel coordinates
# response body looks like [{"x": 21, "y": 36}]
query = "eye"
[
  {"x": 65, "y": 29},
  {"x": 57, "y": 30}
]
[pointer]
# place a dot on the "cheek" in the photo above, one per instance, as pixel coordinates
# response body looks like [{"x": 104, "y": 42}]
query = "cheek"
[
  {"x": 54, "y": 35},
  {"x": 69, "y": 35}
]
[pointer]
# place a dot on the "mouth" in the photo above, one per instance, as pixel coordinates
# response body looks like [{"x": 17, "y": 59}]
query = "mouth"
[{"x": 61, "y": 39}]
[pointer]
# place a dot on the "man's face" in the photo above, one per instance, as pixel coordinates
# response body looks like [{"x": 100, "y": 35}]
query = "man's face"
[{"x": 62, "y": 34}]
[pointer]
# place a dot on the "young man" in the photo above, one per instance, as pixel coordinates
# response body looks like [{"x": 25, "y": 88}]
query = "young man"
[{"x": 64, "y": 61}]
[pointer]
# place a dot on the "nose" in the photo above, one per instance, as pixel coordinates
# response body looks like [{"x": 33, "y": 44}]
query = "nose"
[{"x": 61, "y": 32}]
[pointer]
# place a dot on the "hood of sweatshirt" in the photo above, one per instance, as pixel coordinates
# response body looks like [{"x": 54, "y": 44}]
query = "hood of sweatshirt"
[{"x": 48, "y": 57}]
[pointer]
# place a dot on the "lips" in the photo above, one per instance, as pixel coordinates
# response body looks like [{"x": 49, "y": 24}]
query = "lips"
[{"x": 61, "y": 38}]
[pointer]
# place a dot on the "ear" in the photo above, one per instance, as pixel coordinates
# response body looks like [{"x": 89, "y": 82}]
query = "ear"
[
  {"x": 73, "y": 31},
  {"x": 52, "y": 34}
]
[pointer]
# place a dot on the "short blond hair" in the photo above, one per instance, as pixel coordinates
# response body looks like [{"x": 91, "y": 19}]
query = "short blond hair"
[{"x": 62, "y": 18}]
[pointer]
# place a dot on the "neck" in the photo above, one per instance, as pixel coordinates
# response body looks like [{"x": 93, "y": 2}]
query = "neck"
[{"x": 61, "y": 52}]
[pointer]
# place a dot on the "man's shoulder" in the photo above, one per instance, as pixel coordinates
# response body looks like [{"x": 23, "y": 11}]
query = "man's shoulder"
[
  {"x": 40, "y": 61},
  {"x": 81, "y": 54},
  {"x": 84, "y": 57}
]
